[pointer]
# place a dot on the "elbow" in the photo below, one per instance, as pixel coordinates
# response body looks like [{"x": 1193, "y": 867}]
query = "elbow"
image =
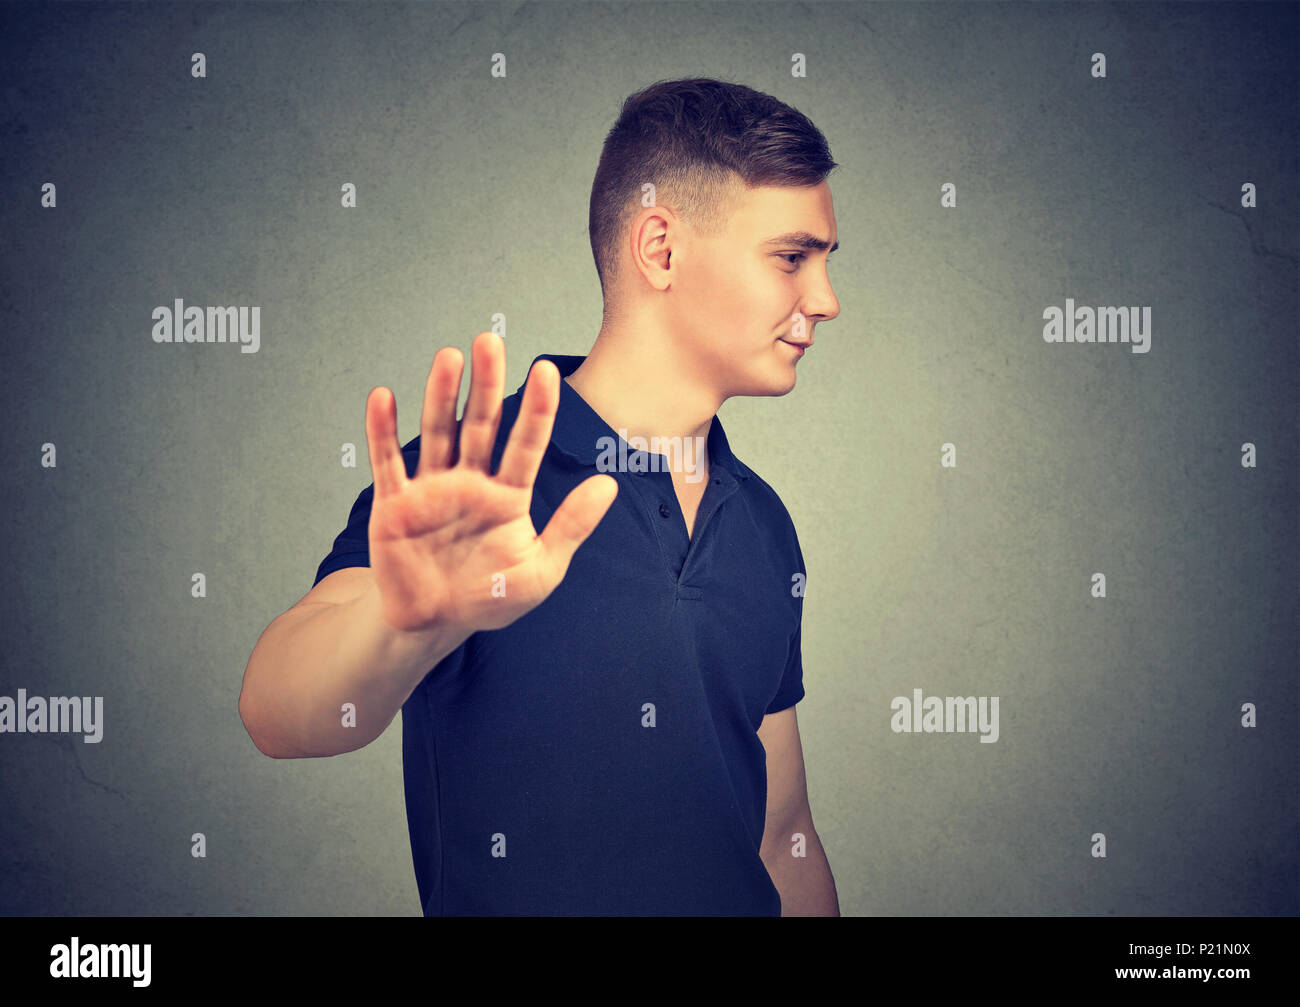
[{"x": 256, "y": 732}]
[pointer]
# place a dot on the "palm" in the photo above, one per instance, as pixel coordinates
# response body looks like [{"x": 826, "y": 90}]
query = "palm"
[
  {"x": 446, "y": 540},
  {"x": 455, "y": 544}
]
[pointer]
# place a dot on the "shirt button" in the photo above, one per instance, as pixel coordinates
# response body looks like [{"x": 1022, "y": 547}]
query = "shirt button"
[{"x": 663, "y": 509}]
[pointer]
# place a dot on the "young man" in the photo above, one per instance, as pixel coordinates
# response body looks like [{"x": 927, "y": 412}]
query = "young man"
[{"x": 604, "y": 730}]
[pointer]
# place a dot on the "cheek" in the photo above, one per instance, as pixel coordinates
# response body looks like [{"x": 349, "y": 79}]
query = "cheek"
[
  {"x": 747, "y": 299},
  {"x": 721, "y": 273},
  {"x": 726, "y": 311},
  {"x": 718, "y": 302}
]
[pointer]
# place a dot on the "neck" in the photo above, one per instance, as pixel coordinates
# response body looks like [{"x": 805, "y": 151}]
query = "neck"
[{"x": 640, "y": 389}]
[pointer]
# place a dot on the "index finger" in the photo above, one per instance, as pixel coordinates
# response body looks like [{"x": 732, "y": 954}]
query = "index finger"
[{"x": 532, "y": 429}]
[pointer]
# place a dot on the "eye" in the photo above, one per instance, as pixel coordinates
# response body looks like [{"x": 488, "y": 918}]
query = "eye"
[{"x": 792, "y": 255}]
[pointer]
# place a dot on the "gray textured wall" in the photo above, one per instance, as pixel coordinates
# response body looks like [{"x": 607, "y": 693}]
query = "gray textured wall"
[{"x": 1118, "y": 715}]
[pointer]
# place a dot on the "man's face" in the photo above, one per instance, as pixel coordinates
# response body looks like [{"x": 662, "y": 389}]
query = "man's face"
[{"x": 738, "y": 296}]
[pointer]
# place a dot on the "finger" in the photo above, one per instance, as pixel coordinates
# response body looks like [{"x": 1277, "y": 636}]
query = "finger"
[
  {"x": 438, "y": 420},
  {"x": 478, "y": 427},
  {"x": 532, "y": 430},
  {"x": 574, "y": 520},
  {"x": 386, "y": 464}
]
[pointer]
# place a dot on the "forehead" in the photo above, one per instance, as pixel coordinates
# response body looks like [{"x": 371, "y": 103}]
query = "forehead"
[{"x": 769, "y": 210}]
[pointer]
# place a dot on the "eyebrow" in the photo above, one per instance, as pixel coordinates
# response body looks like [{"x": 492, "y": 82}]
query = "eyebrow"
[{"x": 803, "y": 239}]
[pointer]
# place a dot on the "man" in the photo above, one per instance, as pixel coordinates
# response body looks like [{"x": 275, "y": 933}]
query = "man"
[{"x": 604, "y": 730}]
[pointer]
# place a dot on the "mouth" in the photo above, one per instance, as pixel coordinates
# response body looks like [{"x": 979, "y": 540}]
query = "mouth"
[{"x": 801, "y": 347}]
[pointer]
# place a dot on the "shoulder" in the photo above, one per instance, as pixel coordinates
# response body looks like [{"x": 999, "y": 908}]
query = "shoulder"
[{"x": 770, "y": 508}]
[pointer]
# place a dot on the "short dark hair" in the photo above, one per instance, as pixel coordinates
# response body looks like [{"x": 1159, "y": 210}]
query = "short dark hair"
[{"x": 698, "y": 140}]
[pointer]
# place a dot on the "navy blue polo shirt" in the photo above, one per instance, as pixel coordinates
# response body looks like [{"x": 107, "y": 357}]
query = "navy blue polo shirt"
[{"x": 598, "y": 756}]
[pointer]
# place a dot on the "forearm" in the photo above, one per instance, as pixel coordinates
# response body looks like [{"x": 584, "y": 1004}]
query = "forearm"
[
  {"x": 805, "y": 882},
  {"x": 310, "y": 662}
]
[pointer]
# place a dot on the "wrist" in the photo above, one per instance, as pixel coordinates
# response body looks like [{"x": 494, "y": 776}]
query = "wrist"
[{"x": 412, "y": 648}]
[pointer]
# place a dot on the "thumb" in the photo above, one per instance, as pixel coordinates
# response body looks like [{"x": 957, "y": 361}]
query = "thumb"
[{"x": 574, "y": 520}]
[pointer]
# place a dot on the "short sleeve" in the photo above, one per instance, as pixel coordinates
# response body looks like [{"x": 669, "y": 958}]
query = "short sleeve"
[
  {"x": 352, "y": 544},
  {"x": 791, "y": 689}
]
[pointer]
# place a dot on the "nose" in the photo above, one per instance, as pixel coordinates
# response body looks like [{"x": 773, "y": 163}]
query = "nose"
[{"x": 822, "y": 306}]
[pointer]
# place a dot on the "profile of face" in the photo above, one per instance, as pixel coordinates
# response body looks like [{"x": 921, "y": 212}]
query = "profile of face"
[{"x": 735, "y": 299}]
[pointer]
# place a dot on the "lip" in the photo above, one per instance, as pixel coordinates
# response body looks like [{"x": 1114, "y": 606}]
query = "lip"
[{"x": 801, "y": 347}]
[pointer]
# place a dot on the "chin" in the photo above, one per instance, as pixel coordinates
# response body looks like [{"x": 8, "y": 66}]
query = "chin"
[
  {"x": 786, "y": 374},
  {"x": 777, "y": 381}
]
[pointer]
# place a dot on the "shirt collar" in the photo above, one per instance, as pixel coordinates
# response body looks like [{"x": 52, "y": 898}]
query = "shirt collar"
[{"x": 578, "y": 428}]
